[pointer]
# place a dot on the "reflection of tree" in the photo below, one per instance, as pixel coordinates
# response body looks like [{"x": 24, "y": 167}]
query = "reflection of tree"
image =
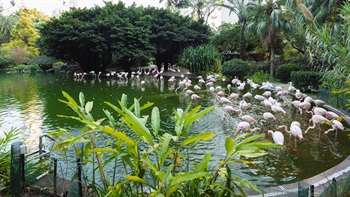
[
  {"x": 33, "y": 122},
  {"x": 23, "y": 88}
]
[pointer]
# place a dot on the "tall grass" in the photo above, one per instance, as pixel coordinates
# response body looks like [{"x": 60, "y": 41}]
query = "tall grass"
[{"x": 203, "y": 58}]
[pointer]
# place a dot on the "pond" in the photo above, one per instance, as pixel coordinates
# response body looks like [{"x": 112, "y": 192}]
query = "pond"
[{"x": 30, "y": 102}]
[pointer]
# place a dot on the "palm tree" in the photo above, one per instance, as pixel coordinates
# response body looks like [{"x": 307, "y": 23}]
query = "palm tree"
[
  {"x": 268, "y": 25},
  {"x": 241, "y": 8},
  {"x": 7, "y": 23}
]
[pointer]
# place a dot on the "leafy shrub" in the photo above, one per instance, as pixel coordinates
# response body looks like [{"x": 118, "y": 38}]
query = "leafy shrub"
[
  {"x": 236, "y": 67},
  {"x": 5, "y": 62},
  {"x": 204, "y": 58},
  {"x": 263, "y": 66},
  {"x": 26, "y": 68},
  {"x": 260, "y": 77},
  {"x": 306, "y": 80},
  {"x": 5, "y": 159},
  {"x": 283, "y": 72},
  {"x": 159, "y": 162}
]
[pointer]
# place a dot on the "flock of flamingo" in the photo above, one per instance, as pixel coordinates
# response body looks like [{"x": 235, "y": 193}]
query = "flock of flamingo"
[{"x": 235, "y": 100}]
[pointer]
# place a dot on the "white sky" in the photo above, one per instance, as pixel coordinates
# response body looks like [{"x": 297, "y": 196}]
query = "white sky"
[{"x": 47, "y": 6}]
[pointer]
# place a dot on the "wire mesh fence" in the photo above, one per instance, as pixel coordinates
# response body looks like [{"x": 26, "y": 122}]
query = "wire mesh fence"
[{"x": 338, "y": 188}]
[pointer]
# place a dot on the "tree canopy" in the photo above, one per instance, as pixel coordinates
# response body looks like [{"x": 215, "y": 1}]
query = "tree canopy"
[{"x": 114, "y": 34}]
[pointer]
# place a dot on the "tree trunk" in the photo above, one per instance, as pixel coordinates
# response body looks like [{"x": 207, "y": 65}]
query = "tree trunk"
[
  {"x": 272, "y": 61},
  {"x": 242, "y": 46}
]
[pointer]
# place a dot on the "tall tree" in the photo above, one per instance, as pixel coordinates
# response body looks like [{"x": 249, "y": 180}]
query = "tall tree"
[
  {"x": 242, "y": 9},
  {"x": 171, "y": 33},
  {"x": 7, "y": 23},
  {"x": 268, "y": 25},
  {"x": 92, "y": 37}
]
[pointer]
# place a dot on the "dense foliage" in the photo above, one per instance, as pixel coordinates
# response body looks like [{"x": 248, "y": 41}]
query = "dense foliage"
[
  {"x": 156, "y": 162},
  {"x": 236, "y": 68},
  {"x": 203, "y": 58},
  {"x": 5, "y": 158},
  {"x": 113, "y": 34},
  {"x": 283, "y": 72},
  {"x": 306, "y": 80}
]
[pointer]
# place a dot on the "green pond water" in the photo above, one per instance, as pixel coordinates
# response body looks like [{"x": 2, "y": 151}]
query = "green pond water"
[{"x": 30, "y": 102}]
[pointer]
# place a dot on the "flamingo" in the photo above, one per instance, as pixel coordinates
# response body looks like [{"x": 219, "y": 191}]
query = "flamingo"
[
  {"x": 316, "y": 121},
  {"x": 244, "y": 105},
  {"x": 267, "y": 117},
  {"x": 195, "y": 97},
  {"x": 247, "y": 95},
  {"x": 230, "y": 109},
  {"x": 331, "y": 115},
  {"x": 245, "y": 126},
  {"x": 319, "y": 111},
  {"x": 319, "y": 102},
  {"x": 247, "y": 118},
  {"x": 267, "y": 94},
  {"x": 335, "y": 126},
  {"x": 298, "y": 94},
  {"x": 278, "y": 109},
  {"x": 304, "y": 106},
  {"x": 277, "y": 137},
  {"x": 295, "y": 130}
]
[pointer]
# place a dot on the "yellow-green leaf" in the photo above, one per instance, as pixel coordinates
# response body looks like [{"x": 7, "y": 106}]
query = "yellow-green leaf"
[
  {"x": 201, "y": 136},
  {"x": 135, "y": 179}
]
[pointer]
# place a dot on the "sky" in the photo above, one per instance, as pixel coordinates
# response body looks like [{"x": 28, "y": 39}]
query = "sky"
[{"x": 47, "y": 6}]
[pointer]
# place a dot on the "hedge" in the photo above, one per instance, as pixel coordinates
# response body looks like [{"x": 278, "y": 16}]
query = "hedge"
[
  {"x": 236, "y": 68},
  {"x": 306, "y": 80}
]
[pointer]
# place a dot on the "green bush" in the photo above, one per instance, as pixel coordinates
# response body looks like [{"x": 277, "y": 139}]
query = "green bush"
[
  {"x": 236, "y": 67},
  {"x": 260, "y": 77},
  {"x": 306, "y": 80},
  {"x": 204, "y": 58},
  {"x": 283, "y": 73},
  {"x": 26, "y": 68},
  {"x": 4, "y": 62}
]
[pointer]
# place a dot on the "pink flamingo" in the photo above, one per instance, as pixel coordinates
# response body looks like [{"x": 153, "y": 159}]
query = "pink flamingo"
[
  {"x": 248, "y": 118},
  {"x": 319, "y": 102},
  {"x": 319, "y": 111},
  {"x": 267, "y": 117},
  {"x": 304, "y": 106},
  {"x": 278, "y": 109},
  {"x": 335, "y": 126},
  {"x": 245, "y": 126},
  {"x": 295, "y": 130},
  {"x": 331, "y": 115},
  {"x": 277, "y": 137},
  {"x": 316, "y": 121}
]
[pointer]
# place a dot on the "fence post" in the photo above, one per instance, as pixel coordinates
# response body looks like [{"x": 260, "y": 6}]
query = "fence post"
[
  {"x": 79, "y": 178},
  {"x": 334, "y": 188},
  {"x": 55, "y": 177},
  {"x": 15, "y": 170},
  {"x": 22, "y": 151},
  {"x": 312, "y": 191}
]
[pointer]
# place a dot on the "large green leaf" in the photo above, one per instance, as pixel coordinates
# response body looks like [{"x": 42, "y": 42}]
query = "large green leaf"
[
  {"x": 137, "y": 126},
  {"x": 183, "y": 177},
  {"x": 155, "y": 119},
  {"x": 201, "y": 136},
  {"x": 203, "y": 165},
  {"x": 119, "y": 135},
  {"x": 195, "y": 117},
  {"x": 229, "y": 145},
  {"x": 245, "y": 183},
  {"x": 164, "y": 147},
  {"x": 137, "y": 108}
]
